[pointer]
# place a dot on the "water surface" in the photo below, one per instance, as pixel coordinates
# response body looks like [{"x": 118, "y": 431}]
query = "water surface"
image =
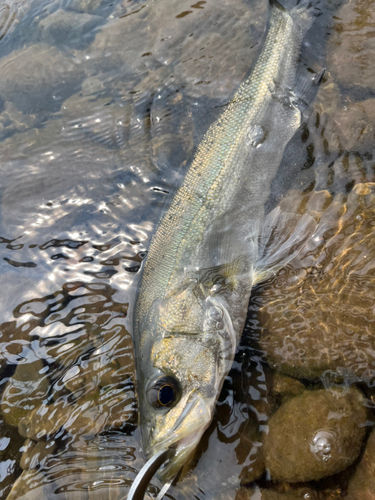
[{"x": 102, "y": 104}]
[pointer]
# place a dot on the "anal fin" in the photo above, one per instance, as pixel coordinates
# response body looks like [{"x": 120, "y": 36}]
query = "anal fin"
[{"x": 282, "y": 237}]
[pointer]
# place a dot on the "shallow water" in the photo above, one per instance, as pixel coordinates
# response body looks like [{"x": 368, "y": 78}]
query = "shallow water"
[{"x": 101, "y": 106}]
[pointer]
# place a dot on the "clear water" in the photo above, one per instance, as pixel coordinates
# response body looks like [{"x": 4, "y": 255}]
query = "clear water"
[{"x": 102, "y": 104}]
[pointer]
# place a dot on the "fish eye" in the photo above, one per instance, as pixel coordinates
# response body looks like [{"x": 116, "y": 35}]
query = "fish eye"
[{"x": 165, "y": 392}]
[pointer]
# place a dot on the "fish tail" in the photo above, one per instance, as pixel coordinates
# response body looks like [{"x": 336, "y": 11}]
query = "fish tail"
[{"x": 303, "y": 13}]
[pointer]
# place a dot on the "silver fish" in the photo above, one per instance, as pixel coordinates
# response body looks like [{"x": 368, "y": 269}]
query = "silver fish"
[{"x": 214, "y": 243}]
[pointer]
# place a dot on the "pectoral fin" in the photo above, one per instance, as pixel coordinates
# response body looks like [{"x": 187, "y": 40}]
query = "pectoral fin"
[
  {"x": 282, "y": 237},
  {"x": 305, "y": 90}
]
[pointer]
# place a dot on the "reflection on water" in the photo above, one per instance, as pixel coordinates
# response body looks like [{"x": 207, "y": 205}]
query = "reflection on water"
[{"x": 101, "y": 106}]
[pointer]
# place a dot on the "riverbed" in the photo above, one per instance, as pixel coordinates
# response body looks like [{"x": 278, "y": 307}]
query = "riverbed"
[{"x": 102, "y": 104}]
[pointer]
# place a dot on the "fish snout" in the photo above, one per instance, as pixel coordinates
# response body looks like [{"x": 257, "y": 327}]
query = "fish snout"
[{"x": 183, "y": 433}]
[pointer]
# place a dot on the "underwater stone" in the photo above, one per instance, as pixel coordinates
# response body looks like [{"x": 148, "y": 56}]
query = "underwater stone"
[
  {"x": 283, "y": 388},
  {"x": 209, "y": 49},
  {"x": 249, "y": 450},
  {"x": 67, "y": 28},
  {"x": 314, "y": 435},
  {"x": 290, "y": 492},
  {"x": 12, "y": 120},
  {"x": 316, "y": 314},
  {"x": 10, "y": 445},
  {"x": 24, "y": 392},
  {"x": 279, "y": 492},
  {"x": 85, "y": 5},
  {"x": 33, "y": 75},
  {"x": 351, "y": 46},
  {"x": 243, "y": 494},
  {"x": 35, "y": 452},
  {"x": 41, "y": 422},
  {"x": 350, "y": 126},
  {"x": 362, "y": 484}
]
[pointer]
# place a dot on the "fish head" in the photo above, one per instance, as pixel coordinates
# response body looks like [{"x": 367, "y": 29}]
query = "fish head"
[{"x": 191, "y": 352}]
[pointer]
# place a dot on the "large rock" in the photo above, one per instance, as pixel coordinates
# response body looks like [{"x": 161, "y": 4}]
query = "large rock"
[
  {"x": 10, "y": 445},
  {"x": 88, "y": 6},
  {"x": 24, "y": 391},
  {"x": 290, "y": 493},
  {"x": 36, "y": 78},
  {"x": 351, "y": 47},
  {"x": 35, "y": 452},
  {"x": 281, "y": 492},
  {"x": 314, "y": 435},
  {"x": 68, "y": 28},
  {"x": 282, "y": 388},
  {"x": 316, "y": 315},
  {"x": 100, "y": 468},
  {"x": 343, "y": 126},
  {"x": 205, "y": 48},
  {"x": 362, "y": 484}
]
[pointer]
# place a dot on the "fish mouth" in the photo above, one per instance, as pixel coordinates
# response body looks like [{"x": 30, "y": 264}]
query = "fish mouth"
[{"x": 184, "y": 437}]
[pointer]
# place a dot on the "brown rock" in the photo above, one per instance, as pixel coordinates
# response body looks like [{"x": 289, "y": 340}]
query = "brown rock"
[
  {"x": 317, "y": 313},
  {"x": 314, "y": 435},
  {"x": 362, "y": 484},
  {"x": 348, "y": 126},
  {"x": 351, "y": 48},
  {"x": 24, "y": 392},
  {"x": 41, "y": 422},
  {"x": 290, "y": 492},
  {"x": 10, "y": 452},
  {"x": 35, "y": 452},
  {"x": 244, "y": 494},
  {"x": 283, "y": 388}
]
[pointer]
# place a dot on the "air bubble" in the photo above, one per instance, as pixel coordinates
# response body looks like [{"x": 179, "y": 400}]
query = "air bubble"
[
  {"x": 321, "y": 445},
  {"x": 256, "y": 135},
  {"x": 215, "y": 313}
]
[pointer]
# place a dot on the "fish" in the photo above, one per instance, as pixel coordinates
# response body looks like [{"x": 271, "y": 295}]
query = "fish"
[{"x": 214, "y": 243}]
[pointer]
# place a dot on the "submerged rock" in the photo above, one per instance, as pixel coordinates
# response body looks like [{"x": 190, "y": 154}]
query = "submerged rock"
[
  {"x": 352, "y": 45},
  {"x": 35, "y": 452},
  {"x": 12, "y": 120},
  {"x": 36, "y": 78},
  {"x": 314, "y": 435},
  {"x": 290, "y": 493},
  {"x": 10, "y": 451},
  {"x": 24, "y": 391},
  {"x": 282, "y": 492},
  {"x": 316, "y": 314},
  {"x": 86, "y": 5},
  {"x": 204, "y": 47},
  {"x": 283, "y": 388},
  {"x": 103, "y": 467},
  {"x": 362, "y": 484},
  {"x": 68, "y": 28},
  {"x": 343, "y": 126},
  {"x": 353, "y": 125}
]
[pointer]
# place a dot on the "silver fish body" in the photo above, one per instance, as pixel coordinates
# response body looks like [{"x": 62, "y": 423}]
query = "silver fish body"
[{"x": 204, "y": 257}]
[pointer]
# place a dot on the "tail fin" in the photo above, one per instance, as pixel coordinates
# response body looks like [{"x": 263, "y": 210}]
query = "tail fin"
[
  {"x": 303, "y": 13},
  {"x": 277, "y": 5}
]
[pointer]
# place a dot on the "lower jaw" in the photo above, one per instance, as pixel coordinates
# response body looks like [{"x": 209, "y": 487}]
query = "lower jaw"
[{"x": 175, "y": 464}]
